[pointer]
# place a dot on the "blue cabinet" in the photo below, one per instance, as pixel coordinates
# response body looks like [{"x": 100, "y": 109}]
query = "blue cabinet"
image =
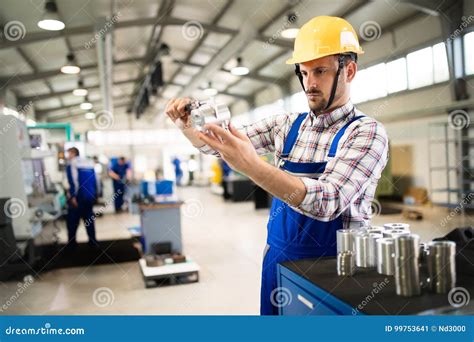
[{"x": 305, "y": 298}]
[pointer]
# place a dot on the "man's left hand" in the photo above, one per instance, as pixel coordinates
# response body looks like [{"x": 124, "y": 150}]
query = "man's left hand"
[{"x": 234, "y": 147}]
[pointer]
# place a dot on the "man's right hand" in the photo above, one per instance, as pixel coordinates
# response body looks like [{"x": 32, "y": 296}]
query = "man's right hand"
[{"x": 175, "y": 109}]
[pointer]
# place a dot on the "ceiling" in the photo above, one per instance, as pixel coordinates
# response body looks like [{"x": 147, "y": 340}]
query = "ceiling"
[{"x": 223, "y": 30}]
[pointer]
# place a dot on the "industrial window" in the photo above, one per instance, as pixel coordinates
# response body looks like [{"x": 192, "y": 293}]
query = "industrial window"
[
  {"x": 376, "y": 79},
  {"x": 420, "y": 68},
  {"x": 469, "y": 53},
  {"x": 359, "y": 87},
  {"x": 440, "y": 63},
  {"x": 397, "y": 75}
]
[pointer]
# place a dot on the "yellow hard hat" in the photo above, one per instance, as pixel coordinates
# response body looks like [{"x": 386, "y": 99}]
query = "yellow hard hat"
[{"x": 323, "y": 36}]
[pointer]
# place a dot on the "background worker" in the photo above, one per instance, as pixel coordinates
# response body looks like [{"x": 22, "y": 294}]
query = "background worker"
[{"x": 120, "y": 172}]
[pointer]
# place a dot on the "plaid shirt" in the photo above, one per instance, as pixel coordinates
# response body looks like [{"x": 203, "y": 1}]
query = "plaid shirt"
[{"x": 348, "y": 184}]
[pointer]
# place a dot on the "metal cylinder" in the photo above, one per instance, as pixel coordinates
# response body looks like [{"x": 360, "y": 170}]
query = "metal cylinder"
[
  {"x": 404, "y": 226},
  {"x": 385, "y": 264},
  {"x": 377, "y": 228},
  {"x": 440, "y": 257},
  {"x": 393, "y": 233},
  {"x": 345, "y": 240},
  {"x": 372, "y": 255},
  {"x": 407, "y": 276},
  {"x": 345, "y": 263},
  {"x": 361, "y": 248}
]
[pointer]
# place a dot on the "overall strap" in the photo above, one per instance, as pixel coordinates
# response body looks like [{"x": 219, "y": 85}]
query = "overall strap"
[
  {"x": 292, "y": 135},
  {"x": 335, "y": 141}
]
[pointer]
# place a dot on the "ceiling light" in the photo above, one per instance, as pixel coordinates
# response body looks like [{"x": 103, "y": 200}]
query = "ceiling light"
[
  {"x": 292, "y": 30},
  {"x": 210, "y": 91},
  {"x": 89, "y": 116},
  {"x": 50, "y": 20},
  {"x": 80, "y": 90},
  {"x": 71, "y": 66},
  {"x": 239, "y": 69},
  {"x": 86, "y": 105}
]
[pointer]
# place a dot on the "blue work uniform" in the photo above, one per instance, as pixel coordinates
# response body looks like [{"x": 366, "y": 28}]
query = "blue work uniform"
[
  {"x": 292, "y": 235},
  {"x": 82, "y": 186},
  {"x": 119, "y": 185}
]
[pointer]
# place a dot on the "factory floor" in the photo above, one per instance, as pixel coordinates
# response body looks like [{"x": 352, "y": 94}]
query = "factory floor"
[{"x": 225, "y": 239}]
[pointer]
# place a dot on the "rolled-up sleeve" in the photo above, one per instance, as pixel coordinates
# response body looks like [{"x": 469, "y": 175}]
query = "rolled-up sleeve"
[{"x": 359, "y": 161}]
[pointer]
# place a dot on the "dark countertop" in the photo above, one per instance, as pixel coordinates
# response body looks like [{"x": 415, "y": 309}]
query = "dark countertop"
[{"x": 373, "y": 293}]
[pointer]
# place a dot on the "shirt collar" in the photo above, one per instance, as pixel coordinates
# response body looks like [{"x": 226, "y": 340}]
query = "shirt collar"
[{"x": 328, "y": 119}]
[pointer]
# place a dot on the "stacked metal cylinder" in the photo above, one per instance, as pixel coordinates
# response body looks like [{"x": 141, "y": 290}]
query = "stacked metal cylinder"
[{"x": 394, "y": 251}]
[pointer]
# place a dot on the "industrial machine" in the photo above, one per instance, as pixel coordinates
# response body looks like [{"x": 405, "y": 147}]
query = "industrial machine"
[{"x": 29, "y": 195}]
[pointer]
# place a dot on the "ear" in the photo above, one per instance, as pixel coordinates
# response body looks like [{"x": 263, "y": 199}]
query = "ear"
[{"x": 351, "y": 71}]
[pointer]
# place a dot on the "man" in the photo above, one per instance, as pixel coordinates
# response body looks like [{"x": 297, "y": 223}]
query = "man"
[
  {"x": 120, "y": 174},
  {"x": 328, "y": 161},
  {"x": 81, "y": 196}
]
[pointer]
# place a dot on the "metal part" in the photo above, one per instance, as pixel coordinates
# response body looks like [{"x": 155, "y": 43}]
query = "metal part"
[
  {"x": 385, "y": 250},
  {"x": 407, "y": 277},
  {"x": 393, "y": 233},
  {"x": 441, "y": 262},
  {"x": 404, "y": 226},
  {"x": 345, "y": 263},
  {"x": 361, "y": 247},
  {"x": 372, "y": 255},
  {"x": 345, "y": 240},
  {"x": 206, "y": 112},
  {"x": 375, "y": 229}
]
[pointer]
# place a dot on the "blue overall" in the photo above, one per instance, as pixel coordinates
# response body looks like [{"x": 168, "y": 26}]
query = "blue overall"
[
  {"x": 119, "y": 185},
  {"x": 291, "y": 235}
]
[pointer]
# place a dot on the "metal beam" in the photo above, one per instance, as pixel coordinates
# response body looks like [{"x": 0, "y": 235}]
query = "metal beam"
[
  {"x": 34, "y": 37},
  {"x": 76, "y": 105},
  {"x": 24, "y": 78},
  {"x": 68, "y": 92},
  {"x": 69, "y": 116}
]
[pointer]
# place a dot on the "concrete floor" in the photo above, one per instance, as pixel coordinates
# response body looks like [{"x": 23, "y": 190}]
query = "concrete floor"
[{"x": 225, "y": 239}]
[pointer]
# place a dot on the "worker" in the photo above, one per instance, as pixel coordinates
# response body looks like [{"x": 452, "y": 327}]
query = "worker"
[
  {"x": 120, "y": 173},
  {"x": 327, "y": 161},
  {"x": 82, "y": 195},
  {"x": 177, "y": 170}
]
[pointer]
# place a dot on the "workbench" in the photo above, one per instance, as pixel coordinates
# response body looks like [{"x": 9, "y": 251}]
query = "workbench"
[
  {"x": 161, "y": 222},
  {"x": 312, "y": 287}
]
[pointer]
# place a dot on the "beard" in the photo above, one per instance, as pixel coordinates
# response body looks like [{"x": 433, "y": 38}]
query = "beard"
[{"x": 318, "y": 103}]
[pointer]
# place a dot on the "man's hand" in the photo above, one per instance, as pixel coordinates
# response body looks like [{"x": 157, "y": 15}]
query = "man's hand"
[
  {"x": 234, "y": 147},
  {"x": 74, "y": 202},
  {"x": 175, "y": 109}
]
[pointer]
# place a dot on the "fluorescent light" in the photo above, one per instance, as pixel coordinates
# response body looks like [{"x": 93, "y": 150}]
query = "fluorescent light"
[
  {"x": 86, "y": 105},
  {"x": 71, "y": 66},
  {"x": 210, "y": 91},
  {"x": 80, "y": 92},
  {"x": 239, "y": 71},
  {"x": 290, "y": 33},
  {"x": 50, "y": 20},
  {"x": 51, "y": 25},
  {"x": 89, "y": 116}
]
